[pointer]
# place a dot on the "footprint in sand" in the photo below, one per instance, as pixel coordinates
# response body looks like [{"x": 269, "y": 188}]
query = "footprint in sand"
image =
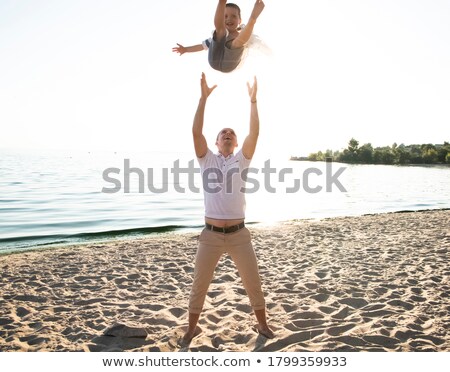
[
  {"x": 6, "y": 321},
  {"x": 340, "y": 330},
  {"x": 327, "y": 309},
  {"x": 321, "y": 297},
  {"x": 123, "y": 330},
  {"x": 22, "y": 311},
  {"x": 309, "y": 323},
  {"x": 354, "y": 302},
  {"x": 403, "y": 304},
  {"x": 351, "y": 341},
  {"x": 307, "y": 315},
  {"x": 342, "y": 314},
  {"x": 177, "y": 312},
  {"x": 387, "y": 342},
  {"x": 321, "y": 274}
]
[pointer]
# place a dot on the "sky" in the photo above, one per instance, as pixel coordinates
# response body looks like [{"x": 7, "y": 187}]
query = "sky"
[{"x": 101, "y": 75}]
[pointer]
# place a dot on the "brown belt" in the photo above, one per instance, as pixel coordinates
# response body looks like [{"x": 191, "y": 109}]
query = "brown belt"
[{"x": 225, "y": 230}]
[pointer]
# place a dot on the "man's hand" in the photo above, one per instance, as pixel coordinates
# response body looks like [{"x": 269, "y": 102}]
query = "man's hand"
[
  {"x": 249, "y": 146},
  {"x": 206, "y": 91},
  {"x": 179, "y": 49},
  {"x": 201, "y": 147},
  {"x": 252, "y": 90}
]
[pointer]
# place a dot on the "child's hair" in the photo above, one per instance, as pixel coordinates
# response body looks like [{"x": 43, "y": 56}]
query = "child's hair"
[{"x": 232, "y": 5}]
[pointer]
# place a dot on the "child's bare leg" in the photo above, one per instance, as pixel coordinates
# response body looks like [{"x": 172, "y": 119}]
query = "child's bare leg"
[
  {"x": 219, "y": 19},
  {"x": 246, "y": 33}
]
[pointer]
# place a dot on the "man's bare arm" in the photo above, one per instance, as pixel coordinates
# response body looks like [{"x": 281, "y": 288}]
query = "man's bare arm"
[
  {"x": 249, "y": 146},
  {"x": 200, "y": 145}
]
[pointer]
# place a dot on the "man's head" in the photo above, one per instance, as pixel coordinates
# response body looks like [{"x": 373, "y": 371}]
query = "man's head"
[{"x": 226, "y": 141}]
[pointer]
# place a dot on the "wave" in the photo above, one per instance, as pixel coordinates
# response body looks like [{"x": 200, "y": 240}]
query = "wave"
[{"x": 20, "y": 243}]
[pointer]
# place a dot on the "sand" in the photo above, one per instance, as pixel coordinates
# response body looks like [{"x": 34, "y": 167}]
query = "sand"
[{"x": 370, "y": 283}]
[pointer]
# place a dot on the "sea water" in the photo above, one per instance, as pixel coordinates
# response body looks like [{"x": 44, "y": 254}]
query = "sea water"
[{"x": 58, "y": 197}]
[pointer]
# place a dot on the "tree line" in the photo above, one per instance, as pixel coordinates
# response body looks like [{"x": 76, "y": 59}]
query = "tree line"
[{"x": 395, "y": 154}]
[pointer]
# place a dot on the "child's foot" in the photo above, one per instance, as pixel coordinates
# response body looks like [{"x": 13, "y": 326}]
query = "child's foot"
[{"x": 257, "y": 9}]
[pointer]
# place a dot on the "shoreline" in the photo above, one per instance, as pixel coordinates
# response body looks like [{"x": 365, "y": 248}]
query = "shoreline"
[
  {"x": 142, "y": 233},
  {"x": 377, "y": 282}
]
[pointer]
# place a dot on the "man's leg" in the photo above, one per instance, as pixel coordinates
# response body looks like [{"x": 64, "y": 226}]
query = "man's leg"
[
  {"x": 262, "y": 326},
  {"x": 192, "y": 330},
  {"x": 208, "y": 255},
  {"x": 219, "y": 20},
  {"x": 242, "y": 252}
]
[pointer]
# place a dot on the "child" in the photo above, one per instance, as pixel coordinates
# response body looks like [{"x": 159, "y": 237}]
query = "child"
[{"x": 226, "y": 47}]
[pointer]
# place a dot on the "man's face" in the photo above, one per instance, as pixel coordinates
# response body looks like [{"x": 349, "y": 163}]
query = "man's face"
[{"x": 226, "y": 138}]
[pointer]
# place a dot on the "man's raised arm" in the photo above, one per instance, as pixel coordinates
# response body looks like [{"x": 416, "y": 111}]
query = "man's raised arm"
[
  {"x": 249, "y": 146},
  {"x": 200, "y": 144}
]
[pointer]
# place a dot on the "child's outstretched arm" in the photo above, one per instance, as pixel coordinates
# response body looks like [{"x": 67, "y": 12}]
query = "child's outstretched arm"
[
  {"x": 246, "y": 33},
  {"x": 219, "y": 19},
  {"x": 190, "y": 49}
]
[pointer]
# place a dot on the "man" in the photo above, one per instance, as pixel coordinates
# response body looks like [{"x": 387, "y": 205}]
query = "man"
[{"x": 225, "y": 231}]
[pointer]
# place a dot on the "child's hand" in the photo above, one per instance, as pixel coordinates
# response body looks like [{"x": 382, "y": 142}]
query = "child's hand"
[
  {"x": 257, "y": 9},
  {"x": 179, "y": 49}
]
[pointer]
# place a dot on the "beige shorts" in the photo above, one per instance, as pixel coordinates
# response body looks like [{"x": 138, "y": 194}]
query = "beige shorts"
[{"x": 212, "y": 245}]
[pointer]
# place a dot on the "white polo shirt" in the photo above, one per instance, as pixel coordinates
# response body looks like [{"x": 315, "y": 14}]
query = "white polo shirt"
[{"x": 223, "y": 185}]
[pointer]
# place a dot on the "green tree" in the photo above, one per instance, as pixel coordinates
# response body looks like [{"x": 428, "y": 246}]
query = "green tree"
[
  {"x": 430, "y": 156},
  {"x": 402, "y": 155},
  {"x": 328, "y": 154},
  {"x": 365, "y": 154},
  {"x": 377, "y": 156},
  {"x": 395, "y": 154},
  {"x": 442, "y": 152},
  {"x": 429, "y": 153},
  {"x": 353, "y": 146},
  {"x": 416, "y": 154},
  {"x": 350, "y": 154},
  {"x": 387, "y": 156}
]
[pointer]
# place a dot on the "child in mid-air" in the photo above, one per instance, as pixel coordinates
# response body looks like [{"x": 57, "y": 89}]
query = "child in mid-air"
[{"x": 226, "y": 47}]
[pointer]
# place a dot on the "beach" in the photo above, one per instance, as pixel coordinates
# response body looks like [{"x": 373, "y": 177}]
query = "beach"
[{"x": 369, "y": 283}]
